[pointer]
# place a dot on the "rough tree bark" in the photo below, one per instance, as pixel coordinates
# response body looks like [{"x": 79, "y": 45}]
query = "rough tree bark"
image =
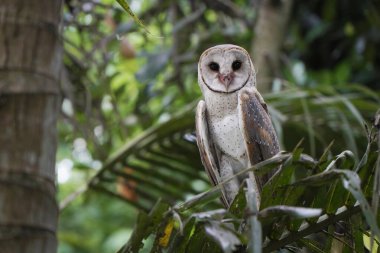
[
  {"x": 30, "y": 62},
  {"x": 269, "y": 36}
]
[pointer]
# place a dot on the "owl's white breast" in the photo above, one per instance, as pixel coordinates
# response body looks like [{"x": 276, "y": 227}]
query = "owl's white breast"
[{"x": 224, "y": 126}]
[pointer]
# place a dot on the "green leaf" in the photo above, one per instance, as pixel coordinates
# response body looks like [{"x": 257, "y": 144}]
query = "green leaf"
[
  {"x": 376, "y": 180},
  {"x": 336, "y": 197},
  {"x": 276, "y": 188},
  {"x": 237, "y": 207},
  {"x": 145, "y": 225},
  {"x": 200, "y": 242},
  {"x": 126, "y": 7},
  {"x": 310, "y": 127},
  {"x": 311, "y": 245},
  {"x": 139, "y": 233},
  {"x": 181, "y": 239},
  {"x": 354, "y": 111},
  {"x": 357, "y": 232},
  {"x": 200, "y": 199},
  {"x": 351, "y": 182},
  {"x": 328, "y": 174},
  {"x": 225, "y": 237},
  {"x": 163, "y": 235},
  {"x": 326, "y": 152}
]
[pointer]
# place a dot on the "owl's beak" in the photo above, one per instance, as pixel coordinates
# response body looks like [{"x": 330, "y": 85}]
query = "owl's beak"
[{"x": 225, "y": 79}]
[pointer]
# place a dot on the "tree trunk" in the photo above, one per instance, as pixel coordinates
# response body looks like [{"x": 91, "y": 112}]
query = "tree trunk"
[
  {"x": 269, "y": 34},
  {"x": 30, "y": 62}
]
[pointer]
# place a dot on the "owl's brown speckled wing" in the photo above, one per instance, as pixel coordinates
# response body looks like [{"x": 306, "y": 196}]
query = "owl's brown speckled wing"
[
  {"x": 260, "y": 137},
  {"x": 206, "y": 147}
]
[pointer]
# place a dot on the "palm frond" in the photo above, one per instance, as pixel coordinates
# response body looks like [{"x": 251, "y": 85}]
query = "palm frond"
[
  {"x": 285, "y": 218},
  {"x": 160, "y": 163}
]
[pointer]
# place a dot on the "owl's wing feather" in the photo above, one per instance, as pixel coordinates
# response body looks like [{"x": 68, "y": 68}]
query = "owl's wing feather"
[
  {"x": 206, "y": 147},
  {"x": 257, "y": 129}
]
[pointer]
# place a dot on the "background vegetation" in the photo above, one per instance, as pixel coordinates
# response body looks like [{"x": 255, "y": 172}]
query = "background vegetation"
[{"x": 128, "y": 97}]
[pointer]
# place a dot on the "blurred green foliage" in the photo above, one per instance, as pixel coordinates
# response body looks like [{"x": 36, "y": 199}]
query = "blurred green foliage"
[
  {"x": 289, "y": 217},
  {"x": 120, "y": 81}
]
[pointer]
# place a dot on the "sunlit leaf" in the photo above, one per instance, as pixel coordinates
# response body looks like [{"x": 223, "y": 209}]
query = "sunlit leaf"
[
  {"x": 126, "y": 7},
  {"x": 164, "y": 239},
  {"x": 291, "y": 211},
  {"x": 215, "y": 214}
]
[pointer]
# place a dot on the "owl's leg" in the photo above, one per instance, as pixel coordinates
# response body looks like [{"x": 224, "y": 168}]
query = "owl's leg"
[{"x": 231, "y": 188}]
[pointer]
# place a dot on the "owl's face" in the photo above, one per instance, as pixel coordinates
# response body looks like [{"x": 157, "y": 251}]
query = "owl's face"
[{"x": 225, "y": 68}]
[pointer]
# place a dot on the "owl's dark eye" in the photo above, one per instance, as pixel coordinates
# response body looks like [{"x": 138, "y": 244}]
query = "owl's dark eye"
[
  {"x": 236, "y": 65},
  {"x": 214, "y": 66}
]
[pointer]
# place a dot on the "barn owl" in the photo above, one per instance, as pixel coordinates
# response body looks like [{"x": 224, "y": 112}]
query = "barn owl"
[{"x": 233, "y": 127}]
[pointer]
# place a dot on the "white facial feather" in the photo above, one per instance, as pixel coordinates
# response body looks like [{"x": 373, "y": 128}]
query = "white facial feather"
[{"x": 216, "y": 69}]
